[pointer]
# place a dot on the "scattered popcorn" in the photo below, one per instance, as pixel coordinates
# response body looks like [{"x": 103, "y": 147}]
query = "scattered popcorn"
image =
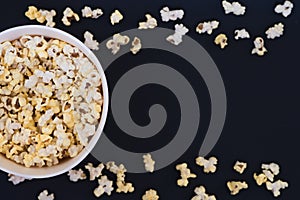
[
  {"x": 149, "y": 24},
  {"x": 234, "y": 7},
  {"x": 275, "y": 169},
  {"x": 167, "y": 14},
  {"x": 243, "y": 33},
  {"x": 88, "y": 12},
  {"x": 76, "y": 175},
  {"x": 95, "y": 172},
  {"x": 149, "y": 163},
  {"x": 136, "y": 45},
  {"x": 285, "y": 9},
  {"x": 45, "y": 196},
  {"x": 89, "y": 41},
  {"x": 207, "y": 27},
  {"x": 150, "y": 195},
  {"x": 221, "y": 40},
  {"x": 116, "y": 17},
  {"x": 176, "y": 38},
  {"x": 69, "y": 15},
  {"x": 276, "y": 187},
  {"x": 42, "y": 93},
  {"x": 48, "y": 15},
  {"x": 185, "y": 174},
  {"x": 201, "y": 194},
  {"x": 275, "y": 31},
  {"x": 32, "y": 13},
  {"x": 269, "y": 175},
  {"x": 240, "y": 167},
  {"x": 236, "y": 186},
  {"x": 259, "y": 47},
  {"x": 105, "y": 186},
  {"x": 260, "y": 179},
  {"x": 209, "y": 166},
  {"x": 115, "y": 43},
  {"x": 16, "y": 179}
]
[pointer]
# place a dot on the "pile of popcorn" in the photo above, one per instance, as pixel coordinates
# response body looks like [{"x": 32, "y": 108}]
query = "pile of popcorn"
[{"x": 50, "y": 100}]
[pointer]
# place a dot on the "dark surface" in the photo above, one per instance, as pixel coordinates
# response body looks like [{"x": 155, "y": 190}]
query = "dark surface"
[{"x": 262, "y": 123}]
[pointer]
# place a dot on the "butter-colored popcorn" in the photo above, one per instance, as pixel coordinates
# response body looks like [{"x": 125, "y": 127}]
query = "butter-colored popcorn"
[
  {"x": 260, "y": 179},
  {"x": 207, "y": 27},
  {"x": 202, "y": 195},
  {"x": 136, "y": 45},
  {"x": 209, "y": 165},
  {"x": 236, "y": 186},
  {"x": 149, "y": 24},
  {"x": 75, "y": 175},
  {"x": 149, "y": 162},
  {"x": 16, "y": 179},
  {"x": 115, "y": 43},
  {"x": 105, "y": 186},
  {"x": 150, "y": 195},
  {"x": 285, "y": 9},
  {"x": 89, "y": 13},
  {"x": 259, "y": 47},
  {"x": 240, "y": 167},
  {"x": 185, "y": 174},
  {"x": 167, "y": 14},
  {"x": 112, "y": 167},
  {"x": 176, "y": 38},
  {"x": 235, "y": 7},
  {"x": 69, "y": 15},
  {"x": 32, "y": 13},
  {"x": 243, "y": 33},
  {"x": 45, "y": 196},
  {"x": 89, "y": 41},
  {"x": 95, "y": 172},
  {"x": 221, "y": 40},
  {"x": 276, "y": 187},
  {"x": 116, "y": 17},
  {"x": 275, "y": 31}
]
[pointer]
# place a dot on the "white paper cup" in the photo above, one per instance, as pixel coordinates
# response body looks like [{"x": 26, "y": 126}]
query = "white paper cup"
[{"x": 67, "y": 164}]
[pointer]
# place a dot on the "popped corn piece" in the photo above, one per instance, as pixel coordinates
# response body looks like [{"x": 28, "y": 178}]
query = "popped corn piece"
[
  {"x": 69, "y": 15},
  {"x": 115, "y": 43},
  {"x": 45, "y": 195},
  {"x": 84, "y": 133},
  {"x": 207, "y": 27},
  {"x": 285, "y": 9},
  {"x": 221, "y": 40},
  {"x": 32, "y": 13},
  {"x": 176, "y": 38},
  {"x": 269, "y": 175},
  {"x": 149, "y": 162},
  {"x": 123, "y": 186},
  {"x": 89, "y": 41},
  {"x": 273, "y": 167},
  {"x": 112, "y": 167},
  {"x": 236, "y": 186},
  {"x": 259, "y": 47},
  {"x": 75, "y": 175},
  {"x": 46, "y": 117},
  {"x": 150, "y": 195},
  {"x": 240, "y": 167},
  {"x": 116, "y": 17},
  {"x": 136, "y": 45},
  {"x": 243, "y": 33},
  {"x": 149, "y": 24},
  {"x": 48, "y": 16},
  {"x": 105, "y": 186},
  {"x": 202, "y": 195},
  {"x": 234, "y": 7},
  {"x": 260, "y": 179},
  {"x": 74, "y": 150},
  {"x": 167, "y": 14},
  {"x": 95, "y": 172},
  {"x": 16, "y": 179},
  {"x": 88, "y": 12},
  {"x": 275, "y": 31},
  {"x": 185, "y": 174},
  {"x": 276, "y": 187},
  {"x": 209, "y": 166},
  {"x": 31, "y": 82}
]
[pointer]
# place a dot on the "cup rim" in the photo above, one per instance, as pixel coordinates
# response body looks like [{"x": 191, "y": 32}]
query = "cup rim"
[{"x": 60, "y": 168}]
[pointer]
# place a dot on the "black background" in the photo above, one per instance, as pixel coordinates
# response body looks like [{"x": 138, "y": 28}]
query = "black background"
[{"x": 262, "y": 123}]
